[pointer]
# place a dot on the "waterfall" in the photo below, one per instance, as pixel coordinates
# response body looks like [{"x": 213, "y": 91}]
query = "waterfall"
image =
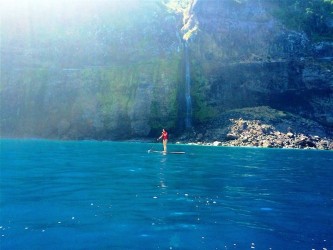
[{"x": 188, "y": 117}]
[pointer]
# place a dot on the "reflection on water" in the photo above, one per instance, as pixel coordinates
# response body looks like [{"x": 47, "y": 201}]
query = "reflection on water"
[{"x": 103, "y": 195}]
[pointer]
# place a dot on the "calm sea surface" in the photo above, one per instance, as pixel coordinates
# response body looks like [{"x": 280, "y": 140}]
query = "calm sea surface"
[{"x": 111, "y": 195}]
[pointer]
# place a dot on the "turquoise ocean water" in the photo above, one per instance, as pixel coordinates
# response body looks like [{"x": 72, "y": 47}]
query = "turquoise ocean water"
[{"x": 116, "y": 195}]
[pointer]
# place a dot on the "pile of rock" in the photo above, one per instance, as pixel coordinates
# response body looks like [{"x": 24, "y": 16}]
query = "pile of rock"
[
  {"x": 254, "y": 133},
  {"x": 261, "y": 127}
]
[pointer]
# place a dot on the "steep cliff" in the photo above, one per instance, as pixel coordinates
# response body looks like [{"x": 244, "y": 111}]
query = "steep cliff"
[
  {"x": 125, "y": 69},
  {"x": 244, "y": 57},
  {"x": 111, "y": 70}
]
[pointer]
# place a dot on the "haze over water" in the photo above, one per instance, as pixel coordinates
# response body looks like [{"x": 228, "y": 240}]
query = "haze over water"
[{"x": 110, "y": 195}]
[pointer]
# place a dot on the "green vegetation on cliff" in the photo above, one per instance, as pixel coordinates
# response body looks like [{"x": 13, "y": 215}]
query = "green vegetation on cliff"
[
  {"x": 89, "y": 70},
  {"x": 203, "y": 111},
  {"x": 315, "y": 17},
  {"x": 115, "y": 70},
  {"x": 86, "y": 102}
]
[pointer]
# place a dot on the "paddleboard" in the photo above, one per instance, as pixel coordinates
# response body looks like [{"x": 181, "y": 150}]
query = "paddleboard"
[{"x": 162, "y": 152}]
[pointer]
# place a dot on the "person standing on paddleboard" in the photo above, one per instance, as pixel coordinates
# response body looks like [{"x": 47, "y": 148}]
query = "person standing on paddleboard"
[{"x": 164, "y": 137}]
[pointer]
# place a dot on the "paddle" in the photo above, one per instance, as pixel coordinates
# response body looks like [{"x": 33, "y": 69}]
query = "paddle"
[
  {"x": 153, "y": 146},
  {"x": 151, "y": 149}
]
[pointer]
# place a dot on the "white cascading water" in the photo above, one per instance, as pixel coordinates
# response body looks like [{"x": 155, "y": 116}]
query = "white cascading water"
[{"x": 188, "y": 117}]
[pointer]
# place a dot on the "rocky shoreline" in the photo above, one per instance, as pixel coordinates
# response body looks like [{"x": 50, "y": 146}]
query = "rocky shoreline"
[
  {"x": 253, "y": 133},
  {"x": 261, "y": 127}
]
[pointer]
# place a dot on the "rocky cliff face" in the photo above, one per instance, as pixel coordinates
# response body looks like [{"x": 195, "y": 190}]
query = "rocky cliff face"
[
  {"x": 246, "y": 58},
  {"x": 109, "y": 71},
  {"x": 115, "y": 70}
]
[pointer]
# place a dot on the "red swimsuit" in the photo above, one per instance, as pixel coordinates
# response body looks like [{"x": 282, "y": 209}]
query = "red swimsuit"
[{"x": 165, "y": 135}]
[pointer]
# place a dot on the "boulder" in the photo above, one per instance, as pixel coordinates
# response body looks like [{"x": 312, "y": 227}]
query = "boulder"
[{"x": 231, "y": 136}]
